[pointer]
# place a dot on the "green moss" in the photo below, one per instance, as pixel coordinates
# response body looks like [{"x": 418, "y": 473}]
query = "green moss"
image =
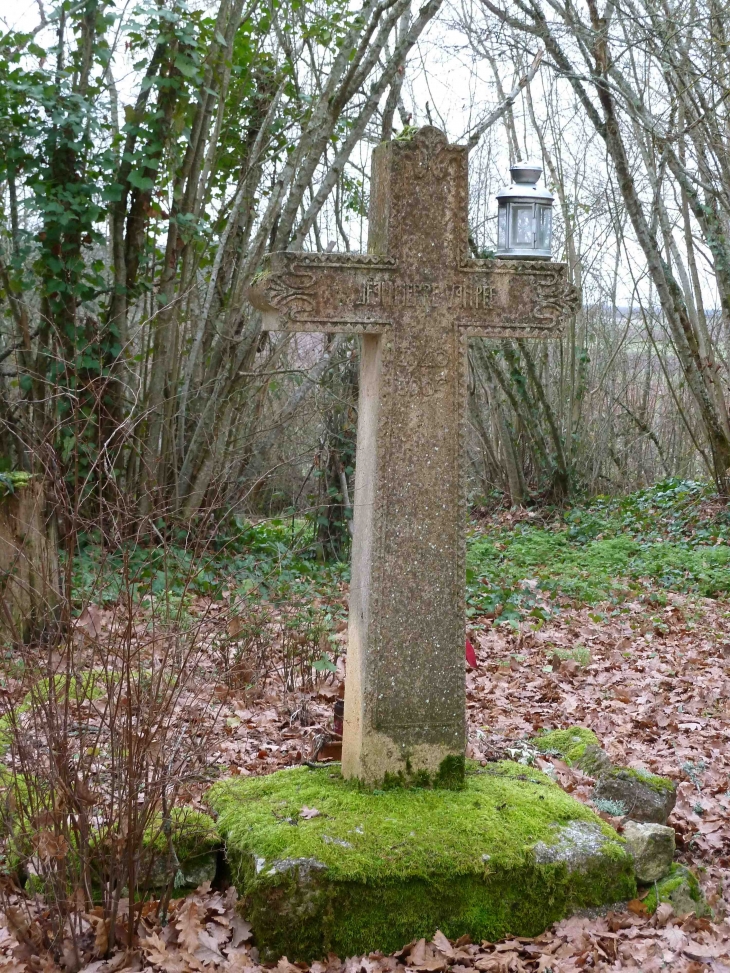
[
  {"x": 12, "y": 481},
  {"x": 679, "y": 882},
  {"x": 450, "y": 774},
  {"x": 570, "y": 744},
  {"x": 659, "y": 784},
  {"x": 375, "y": 869},
  {"x": 193, "y": 833}
]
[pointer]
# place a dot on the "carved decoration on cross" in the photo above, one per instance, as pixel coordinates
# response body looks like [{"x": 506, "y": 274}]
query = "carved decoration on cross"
[
  {"x": 415, "y": 298},
  {"x": 366, "y": 293}
]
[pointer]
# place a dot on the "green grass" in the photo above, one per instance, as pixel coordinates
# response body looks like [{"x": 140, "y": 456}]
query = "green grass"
[
  {"x": 605, "y": 551},
  {"x": 579, "y": 653}
]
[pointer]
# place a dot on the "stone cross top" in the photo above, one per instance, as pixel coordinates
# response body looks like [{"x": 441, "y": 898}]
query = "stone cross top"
[{"x": 415, "y": 297}]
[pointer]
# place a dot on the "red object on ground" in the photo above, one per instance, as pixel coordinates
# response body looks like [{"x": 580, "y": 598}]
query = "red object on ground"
[
  {"x": 337, "y": 722},
  {"x": 471, "y": 656}
]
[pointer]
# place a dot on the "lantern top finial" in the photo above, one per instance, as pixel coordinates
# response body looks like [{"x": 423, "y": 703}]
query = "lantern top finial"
[
  {"x": 525, "y": 176},
  {"x": 525, "y": 173}
]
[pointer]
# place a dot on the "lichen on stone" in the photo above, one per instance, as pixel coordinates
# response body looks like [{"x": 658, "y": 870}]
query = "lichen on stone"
[
  {"x": 647, "y": 796},
  {"x": 576, "y": 843},
  {"x": 652, "y": 847},
  {"x": 259, "y": 276}
]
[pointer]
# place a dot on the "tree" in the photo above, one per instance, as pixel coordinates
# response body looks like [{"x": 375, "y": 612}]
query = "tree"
[
  {"x": 613, "y": 60},
  {"x": 130, "y": 233}
]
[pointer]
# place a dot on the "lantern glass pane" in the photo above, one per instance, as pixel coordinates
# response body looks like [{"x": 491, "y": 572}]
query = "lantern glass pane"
[
  {"x": 502, "y": 228},
  {"x": 544, "y": 227},
  {"x": 522, "y": 228}
]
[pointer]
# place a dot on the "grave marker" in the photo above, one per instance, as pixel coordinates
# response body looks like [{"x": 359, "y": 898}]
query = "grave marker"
[{"x": 415, "y": 297}]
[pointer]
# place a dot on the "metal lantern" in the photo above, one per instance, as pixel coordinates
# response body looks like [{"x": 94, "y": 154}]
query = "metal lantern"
[{"x": 525, "y": 221}]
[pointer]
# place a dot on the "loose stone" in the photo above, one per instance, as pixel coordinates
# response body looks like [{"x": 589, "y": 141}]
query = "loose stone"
[
  {"x": 646, "y": 796},
  {"x": 652, "y": 847}
]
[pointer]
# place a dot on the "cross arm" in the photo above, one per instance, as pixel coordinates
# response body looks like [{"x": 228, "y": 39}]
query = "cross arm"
[
  {"x": 299, "y": 291},
  {"x": 519, "y": 298}
]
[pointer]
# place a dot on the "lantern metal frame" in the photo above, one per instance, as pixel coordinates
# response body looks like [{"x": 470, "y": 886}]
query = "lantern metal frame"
[{"x": 524, "y": 220}]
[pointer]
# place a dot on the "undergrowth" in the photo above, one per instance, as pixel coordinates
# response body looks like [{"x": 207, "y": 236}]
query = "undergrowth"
[
  {"x": 672, "y": 537},
  {"x": 269, "y": 560}
]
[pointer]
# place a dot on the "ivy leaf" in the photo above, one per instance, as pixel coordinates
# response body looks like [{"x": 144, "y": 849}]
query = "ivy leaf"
[
  {"x": 324, "y": 664},
  {"x": 186, "y": 67},
  {"x": 139, "y": 181}
]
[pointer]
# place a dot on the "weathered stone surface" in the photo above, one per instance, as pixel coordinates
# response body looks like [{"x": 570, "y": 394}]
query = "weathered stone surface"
[
  {"x": 577, "y": 845},
  {"x": 196, "y": 843},
  {"x": 191, "y": 873},
  {"x": 594, "y": 761},
  {"x": 416, "y": 297},
  {"x": 652, "y": 848},
  {"x": 373, "y": 870},
  {"x": 682, "y": 890},
  {"x": 646, "y": 796}
]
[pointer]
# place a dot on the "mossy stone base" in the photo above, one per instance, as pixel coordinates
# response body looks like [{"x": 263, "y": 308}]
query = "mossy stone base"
[
  {"x": 681, "y": 890},
  {"x": 508, "y": 854},
  {"x": 196, "y": 842}
]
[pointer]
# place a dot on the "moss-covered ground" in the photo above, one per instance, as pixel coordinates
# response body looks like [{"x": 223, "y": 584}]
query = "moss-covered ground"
[
  {"x": 326, "y": 866},
  {"x": 570, "y": 743}
]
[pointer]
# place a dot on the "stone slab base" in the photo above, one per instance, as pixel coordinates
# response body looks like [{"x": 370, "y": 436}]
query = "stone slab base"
[{"x": 325, "y": 866}]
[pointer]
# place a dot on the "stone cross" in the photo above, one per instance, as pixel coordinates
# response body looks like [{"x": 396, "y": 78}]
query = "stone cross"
[{"x": 415, "y": 297}]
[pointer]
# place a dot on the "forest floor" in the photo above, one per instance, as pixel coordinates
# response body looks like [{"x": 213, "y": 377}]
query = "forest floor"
[{"x": 613, "y": 615}]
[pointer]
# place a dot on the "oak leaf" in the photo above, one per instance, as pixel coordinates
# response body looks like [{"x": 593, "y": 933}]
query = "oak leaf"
[
  {"x": 158, "y": 954},
  {"x": 189, "y": 925}
]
